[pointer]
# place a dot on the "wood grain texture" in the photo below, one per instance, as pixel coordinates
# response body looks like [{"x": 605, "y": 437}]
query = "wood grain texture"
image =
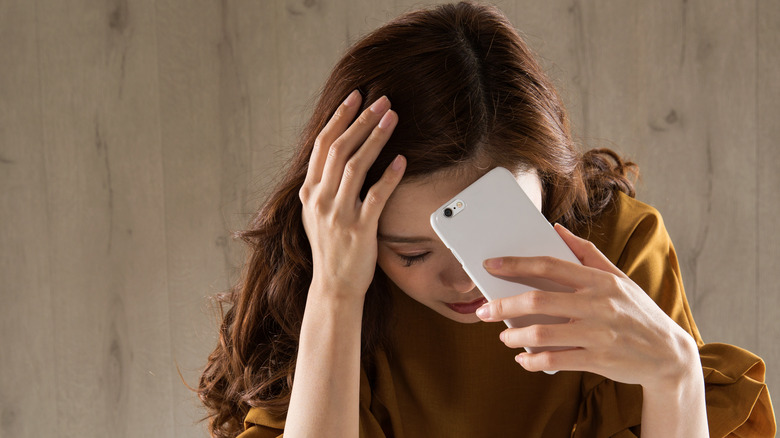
[
  {"x": 135, "y": 135},
  {"x": 682, "y": 103},
  {"x": 26, "y": 313},
  {"x": 203, "y": 155},
  {"x": 109, "y": 301},
  {"x": 768, "y": 184}
]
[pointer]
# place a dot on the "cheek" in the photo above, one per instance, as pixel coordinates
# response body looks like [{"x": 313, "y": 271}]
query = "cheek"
[
  {"x": 394, "y": 270},
  {"x": 389, "y": 266}
]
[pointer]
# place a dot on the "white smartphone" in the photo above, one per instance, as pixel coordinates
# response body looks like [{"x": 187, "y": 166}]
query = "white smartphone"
[{"x": 493, "y": 217}]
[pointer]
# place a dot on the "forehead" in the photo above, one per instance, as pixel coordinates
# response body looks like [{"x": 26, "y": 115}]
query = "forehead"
[{"x": 408, "y": 209}]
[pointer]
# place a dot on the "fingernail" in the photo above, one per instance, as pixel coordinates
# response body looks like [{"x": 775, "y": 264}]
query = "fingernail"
[
  {"x": 484, "y": 311},
  {"x": 386, "y": 120},
  {"x": 502, "y": 336},
  {"x": 381, "y": 105},
  {"x": 352, "y": 98},
  {"x": 520, "y": 358},
  {"x": 397, "y": 163},
  {"x": 493, "y": 263}
]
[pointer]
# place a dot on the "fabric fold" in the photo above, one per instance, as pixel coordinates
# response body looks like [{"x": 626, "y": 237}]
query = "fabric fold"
[
  {"x": 608, "y": 409},
  {"x": 738, "y": 402}
]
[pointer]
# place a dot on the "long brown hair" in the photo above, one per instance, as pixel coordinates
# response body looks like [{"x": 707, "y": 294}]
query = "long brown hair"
[{"x": 468, "y": 92}]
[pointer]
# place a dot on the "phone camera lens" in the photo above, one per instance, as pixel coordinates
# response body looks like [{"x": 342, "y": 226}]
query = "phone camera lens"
[{"x": 448, "y": 212}]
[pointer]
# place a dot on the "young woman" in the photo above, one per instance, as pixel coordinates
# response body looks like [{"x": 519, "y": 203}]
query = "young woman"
[{"x": 353, "y": 319}]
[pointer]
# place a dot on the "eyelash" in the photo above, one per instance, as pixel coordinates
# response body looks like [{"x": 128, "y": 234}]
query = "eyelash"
[{"x": 410, "y": 260}]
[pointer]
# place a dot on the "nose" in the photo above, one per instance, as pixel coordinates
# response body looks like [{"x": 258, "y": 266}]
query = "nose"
[{"x": 453, "y": 276}]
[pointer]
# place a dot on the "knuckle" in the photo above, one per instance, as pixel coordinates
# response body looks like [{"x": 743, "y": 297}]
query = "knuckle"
[
  {"x": 350, "y": 170},
  {"x": 599, "y": 337},
  {"x": 372, "y": 198},
  {"x": 509, "y": 338},
  {"x": 340, "y": 225},
  {"x": 610, "y": 336},
  {"x": 353, "y": 229},
  {"x": 612, "y": 282},
  {"x": 498, "y": 309},
  {"x": 365, "y": 118},
  {"x": 539, "y": 335},
  {"x": 336, "y": 148},
  {"x": 613, "y": 305},
  {"x": 535, "y": 301},
  {"x": 320, "y": 207},
  {"x": 607, "y": 306},
  {"x": 303, "y": 193},
  {"x": 544, "y": 265},
  {"x": 319, "y": 141},
  {"x": 340, "y": 112},
  {"x": 547, "y": 361}
]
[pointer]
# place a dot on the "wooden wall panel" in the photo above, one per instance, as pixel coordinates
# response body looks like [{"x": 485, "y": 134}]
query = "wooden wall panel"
[
  {"x": 26, "y": 325},
  {"x": 100, "y": 127},
  {"x": 136, "y": 134},
  {"x": 768, "y": 198},
  {"x": 203, "y": 138},
  {"x": 96, "y": 304},
  {"x": 258, "y": 48},
  {"x": 672, "y": 85},
  {"x": 306, "y": 52},
  {"x": 722, "y": 262}
]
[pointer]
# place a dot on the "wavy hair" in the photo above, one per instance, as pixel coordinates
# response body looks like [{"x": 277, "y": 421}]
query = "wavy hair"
[{"x": 468, "y": 92}]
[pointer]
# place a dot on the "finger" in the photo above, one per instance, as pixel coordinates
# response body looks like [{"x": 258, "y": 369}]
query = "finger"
[
  {"x": 335, "y": 127},
  {"x": 535, "y": 302},
  {"x": 560, "y": 271},
  {"x": 377, "y": 195},
  {"x": 576, "y": 359},
  {"x": 356, "y": 168},
  {"x": 569, "y": 334},
  {"x": 586, "y": 252},
  {"x": 344, "y": 146}
]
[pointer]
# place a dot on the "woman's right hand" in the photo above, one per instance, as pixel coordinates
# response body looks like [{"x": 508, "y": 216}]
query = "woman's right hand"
[{"x": 342, "y": 229}]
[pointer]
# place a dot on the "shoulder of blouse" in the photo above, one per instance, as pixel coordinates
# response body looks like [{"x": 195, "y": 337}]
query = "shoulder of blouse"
[{"x": 626, "y": 221}]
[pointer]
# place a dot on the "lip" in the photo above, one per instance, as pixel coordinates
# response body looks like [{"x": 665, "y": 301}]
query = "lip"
[{"x": 469, "y": 307}]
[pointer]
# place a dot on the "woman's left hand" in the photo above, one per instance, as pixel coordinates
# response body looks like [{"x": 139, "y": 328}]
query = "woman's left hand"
[{"x": 616, "y": 329}]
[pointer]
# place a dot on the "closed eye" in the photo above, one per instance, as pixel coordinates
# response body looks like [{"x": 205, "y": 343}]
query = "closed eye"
[{"x": 409, "y": 260}]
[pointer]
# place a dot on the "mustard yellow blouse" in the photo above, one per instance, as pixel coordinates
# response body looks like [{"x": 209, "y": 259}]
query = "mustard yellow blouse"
[{"x": 447, "y": 379}]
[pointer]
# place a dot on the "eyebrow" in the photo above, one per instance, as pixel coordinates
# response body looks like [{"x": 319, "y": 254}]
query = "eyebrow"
[{"x": 402, "y": 239}]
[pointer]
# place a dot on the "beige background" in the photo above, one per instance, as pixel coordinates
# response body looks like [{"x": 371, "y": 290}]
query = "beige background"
[{"x": 134, "y": 134}]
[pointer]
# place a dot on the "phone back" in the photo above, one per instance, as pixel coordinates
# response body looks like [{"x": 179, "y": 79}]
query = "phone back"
[{"x": 493, "y": 217}]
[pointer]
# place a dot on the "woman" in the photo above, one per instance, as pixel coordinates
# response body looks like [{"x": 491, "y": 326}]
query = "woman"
[{"x": 348, "y": 289}]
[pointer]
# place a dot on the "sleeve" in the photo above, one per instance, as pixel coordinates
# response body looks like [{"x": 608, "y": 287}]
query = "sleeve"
[
  {"x": 258, "y": 423},
  {"x": 738, "y": 402},
  {"x": 259, "y": 432}
]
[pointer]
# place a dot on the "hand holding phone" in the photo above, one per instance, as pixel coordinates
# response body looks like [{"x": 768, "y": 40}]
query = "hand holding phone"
[{"x": 493, "y": 217}]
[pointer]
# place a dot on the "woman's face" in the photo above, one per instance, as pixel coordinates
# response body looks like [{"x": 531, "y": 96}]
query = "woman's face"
[{"x": 414, "y": 258}]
